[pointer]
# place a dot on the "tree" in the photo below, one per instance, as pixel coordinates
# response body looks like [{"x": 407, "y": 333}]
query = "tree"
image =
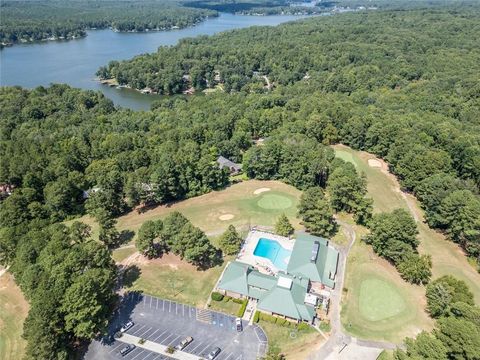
[
  {"x": 459, "y": 213},
  {"x": 108, "y": 233},
  {"x": 149, "y": 241},
  {"x": 445, "y": 291},
  {"x": 230, "y": 241},
  {"x": 283, "y": 226},
  {"x": 424, "y": 347},
  {"x": 416, "y": 269},
  {"x": 87, "y": 303},
  {"x": 193, "y": 245},
  {"x": 80, "y": 232},
  {"x": 316, "y": 213},
  {"x": 346, "y": 188},
  {"x": 460, "y": 336},
  {"x": 393, "y": 235},
  {"x": 172, "y": 225}
]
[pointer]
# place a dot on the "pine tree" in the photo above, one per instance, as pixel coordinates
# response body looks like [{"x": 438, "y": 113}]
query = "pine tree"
[
  {"x": 283, "y": 226},
  {"x": 230, "y": 241}
]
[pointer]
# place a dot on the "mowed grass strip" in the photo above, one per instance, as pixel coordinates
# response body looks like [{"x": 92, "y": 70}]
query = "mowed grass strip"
[
  {"x": 13, "y": 311},
  {"x": 384, "y": 189}
]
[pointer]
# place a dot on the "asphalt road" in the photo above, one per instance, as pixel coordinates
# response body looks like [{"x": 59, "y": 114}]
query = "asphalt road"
[{"x": 168, "y": 323}]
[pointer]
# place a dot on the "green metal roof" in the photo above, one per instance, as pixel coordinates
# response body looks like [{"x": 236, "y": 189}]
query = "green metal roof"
[
  {"x": 260, "y": 280},
  {"x": 235, "y": 278},
  {"x": 320, "y": 270},
  {"x": 288, "y": 301}
]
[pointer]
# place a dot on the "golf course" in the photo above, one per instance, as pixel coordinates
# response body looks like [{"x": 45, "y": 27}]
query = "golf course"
[{"x": 377, "y": 303}]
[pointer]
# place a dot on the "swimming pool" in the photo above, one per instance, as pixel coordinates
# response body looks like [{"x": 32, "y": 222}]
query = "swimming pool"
[{"x": 273, "y": 251}]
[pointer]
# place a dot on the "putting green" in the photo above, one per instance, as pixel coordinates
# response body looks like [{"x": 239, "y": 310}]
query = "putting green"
[
  {"x": 379, "y": 300},
  {"x": 274, "y": 202}
]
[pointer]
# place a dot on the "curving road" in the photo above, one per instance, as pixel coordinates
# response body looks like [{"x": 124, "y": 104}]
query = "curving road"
[{"x": 338, "y": 339}]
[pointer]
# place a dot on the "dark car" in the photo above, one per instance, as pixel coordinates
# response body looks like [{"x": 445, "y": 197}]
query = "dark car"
[
  {"x": 214, "y": 353},
  {"x": 127, "y": 349},
  {"x": 238, "y": 323}
]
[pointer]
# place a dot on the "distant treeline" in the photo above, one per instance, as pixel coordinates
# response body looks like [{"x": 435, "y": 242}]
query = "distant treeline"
[{"x": 26, "y": 21}]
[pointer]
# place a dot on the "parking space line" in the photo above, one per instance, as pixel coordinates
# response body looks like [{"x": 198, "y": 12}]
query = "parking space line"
[
  {"x": 150, "y": 302},
  {"x": 170, "y": 307},
  {"x": 201, "y": 343},
  {"x": 153, "y": 333},
  {"x": 167, "y": 338},
  {"x": 163, "y": 306},
  {"x": 206, "y": 347},
  {"x": 156, "y": 306},
  {"x": 116, "y": 347},
  {"x": 143, "y": 333},
  {"x": 239, "y": 358},
  {"x": 139, "y": 329},
  {"x": 231, "y": 354},
  {"x": 138, "y": 354},
  {"x": 175, "y": 339},
  {"x": 159, "y": 336},
  {"x": 176, "y": 308}
]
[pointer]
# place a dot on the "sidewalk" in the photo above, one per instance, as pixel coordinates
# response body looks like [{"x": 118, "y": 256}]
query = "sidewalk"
[{"x": 158, "y": 348}]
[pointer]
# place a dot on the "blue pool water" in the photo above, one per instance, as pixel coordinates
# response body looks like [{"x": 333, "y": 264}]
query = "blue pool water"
[{"x": 273, "y": 251}]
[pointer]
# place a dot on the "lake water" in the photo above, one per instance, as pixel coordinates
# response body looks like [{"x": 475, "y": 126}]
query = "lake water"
[{"x": 75, "y": 62}]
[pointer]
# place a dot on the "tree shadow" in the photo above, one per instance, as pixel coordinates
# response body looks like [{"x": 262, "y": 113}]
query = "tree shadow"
[
  {"x": 130, "y": 275},
  {"x": 125, "y": 237}
]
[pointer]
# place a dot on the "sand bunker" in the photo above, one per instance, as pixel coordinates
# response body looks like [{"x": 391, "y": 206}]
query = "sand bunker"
[
  {"x": 261, "y": 190},
  {"x": 226, "y": 217},
  {"x": 374, "y": 163}
]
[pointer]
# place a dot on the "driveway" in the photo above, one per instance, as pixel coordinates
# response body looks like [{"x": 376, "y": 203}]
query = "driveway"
[{"x": 168, "y": 323}]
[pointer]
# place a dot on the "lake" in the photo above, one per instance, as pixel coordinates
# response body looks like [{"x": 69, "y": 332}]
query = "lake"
[{"x": 75, "y": 62}]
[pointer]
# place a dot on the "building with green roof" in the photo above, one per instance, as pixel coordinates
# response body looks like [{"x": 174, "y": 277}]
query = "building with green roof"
[
  {"x": 313, "y": 258},
  {"x": 286, "y": 294}
]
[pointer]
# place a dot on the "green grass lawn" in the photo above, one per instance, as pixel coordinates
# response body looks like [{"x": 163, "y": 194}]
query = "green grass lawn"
[
  {"x": 174, "y": 279},
  {"x": 383, "y": 188},
  {"x": 377, "y": 303},
  {"x": 228, "y": 307},
  {"x": 379, "y": 299},
  {"x": 293, "y": 343},
  {"x": 13, "y": 310},
  {"x": 121, "y": 254},
  {"x": 239, "y": 200}
]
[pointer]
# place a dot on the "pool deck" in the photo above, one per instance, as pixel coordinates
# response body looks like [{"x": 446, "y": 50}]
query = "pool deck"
[{"x": 263, "y": 265}]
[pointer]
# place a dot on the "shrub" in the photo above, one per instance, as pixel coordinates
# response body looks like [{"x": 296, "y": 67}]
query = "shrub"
[
  {"x": 141, "y": 341},
  {"x": 216, "y": 296},
  {"x": 303, "y": 326},
  {"x": 238, "y": 301},
  {"x": 170, "y": 350},
  {"x": 256, "y": 317},
  {"x": 227, "y": 298},
  {"x": 242, "y": 309}
]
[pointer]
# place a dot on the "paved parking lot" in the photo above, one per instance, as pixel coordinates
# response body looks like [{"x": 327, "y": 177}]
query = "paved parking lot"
[{"x": 168, "y": 323}]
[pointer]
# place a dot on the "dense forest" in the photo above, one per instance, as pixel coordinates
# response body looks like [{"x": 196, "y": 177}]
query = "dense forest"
[
  {"x": 403, "y": 85},
  {"x": 26, "y": 21}
]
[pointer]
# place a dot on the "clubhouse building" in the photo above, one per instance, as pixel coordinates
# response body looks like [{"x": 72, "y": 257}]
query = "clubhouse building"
[{"x": 284, "y": 277}]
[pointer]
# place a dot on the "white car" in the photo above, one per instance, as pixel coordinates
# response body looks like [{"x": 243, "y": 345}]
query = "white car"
[
  {"x": 127, "y": 326},
  {"x": 239, "y": 325}
]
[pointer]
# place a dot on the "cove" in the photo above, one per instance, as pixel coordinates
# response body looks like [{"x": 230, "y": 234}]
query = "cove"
[{"x": 75, "y": 62}]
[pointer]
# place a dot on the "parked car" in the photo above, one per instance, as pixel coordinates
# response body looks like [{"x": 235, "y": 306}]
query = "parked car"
[
  {"x": 127, "y": 349},
  {"x": 127, "y": 326},
  {"x": 184, "y": 343},
  {"x": 214, "y": 353},
  {"x": 238, "y": 323}
]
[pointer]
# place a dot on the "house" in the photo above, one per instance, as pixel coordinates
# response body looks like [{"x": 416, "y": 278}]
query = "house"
[
  {"x": 232, "y": 167},
  {"x": 292, "y": 293}
]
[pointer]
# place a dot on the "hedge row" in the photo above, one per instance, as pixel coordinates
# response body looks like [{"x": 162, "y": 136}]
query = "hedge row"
[
  {"x": 279, "y": 321},
  {"x": 242, "y": 309}
]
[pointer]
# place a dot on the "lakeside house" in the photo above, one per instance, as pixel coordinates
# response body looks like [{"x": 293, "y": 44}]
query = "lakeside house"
[
  {"x": 290, "y": 286},
  {"x": 234, "y": 168}
]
